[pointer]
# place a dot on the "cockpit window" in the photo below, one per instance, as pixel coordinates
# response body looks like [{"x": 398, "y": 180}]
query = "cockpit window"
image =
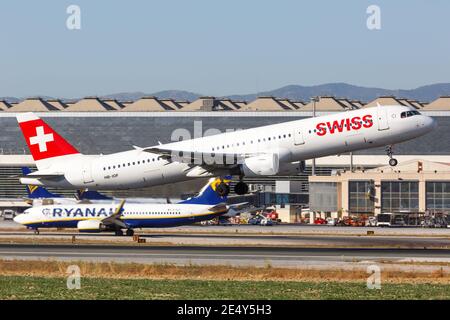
[{"x": 407, "y": 114}]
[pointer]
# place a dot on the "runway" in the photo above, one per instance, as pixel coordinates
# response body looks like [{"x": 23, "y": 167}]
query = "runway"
[
  {"x": 231, "y": 256},
  {"x": 237, "y": 239}
]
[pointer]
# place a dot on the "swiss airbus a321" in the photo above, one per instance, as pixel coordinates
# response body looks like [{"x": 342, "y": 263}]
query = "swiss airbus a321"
[{"x": 279, "y": 149}]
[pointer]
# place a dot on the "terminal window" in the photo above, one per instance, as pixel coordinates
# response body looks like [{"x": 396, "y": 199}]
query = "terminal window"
[
  {"x": 400, "y": 196},
  {"x": 438, "y": 195},
  {"x": 361, "y": 198}
]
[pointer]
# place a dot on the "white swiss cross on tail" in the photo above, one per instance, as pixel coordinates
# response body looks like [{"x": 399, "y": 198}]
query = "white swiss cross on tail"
[
  {"x": 41, "y": 139},
  {"x": 44, "y": 142}
]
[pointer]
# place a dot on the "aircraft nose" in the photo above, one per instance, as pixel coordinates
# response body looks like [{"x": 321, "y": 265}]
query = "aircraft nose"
[
  {"x": 429, "y": 123},
  {"x": 20, "y": 218}
]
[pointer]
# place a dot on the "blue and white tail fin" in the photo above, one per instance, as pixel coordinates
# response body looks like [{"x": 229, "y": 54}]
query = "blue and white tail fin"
[
  {"x": 35, "y": 192},
  {"x": 91, "y": 195},
  {"x": 208, "y": 194}
]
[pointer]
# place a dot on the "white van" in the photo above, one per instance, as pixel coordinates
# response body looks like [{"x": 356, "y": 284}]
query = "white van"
[
  {"x": 8, "y": 214},
  {"x": 384, "y": 220}
]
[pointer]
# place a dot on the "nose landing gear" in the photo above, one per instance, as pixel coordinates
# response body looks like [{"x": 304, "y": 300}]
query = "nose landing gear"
[{"x": 392, "y": 161}]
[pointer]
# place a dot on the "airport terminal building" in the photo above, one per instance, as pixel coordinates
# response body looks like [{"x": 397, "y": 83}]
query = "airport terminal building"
[
  {"x": 413, "y": 188},
  {"x": 340, "y": 185}
]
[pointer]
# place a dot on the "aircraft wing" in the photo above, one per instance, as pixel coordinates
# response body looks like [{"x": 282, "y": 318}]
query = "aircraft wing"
[
  {"x": 201, "y": 163},
  {"x": 114, "y": 219},
  {"x": 237, "y": 208},
  {"x": 219, "y": 208}
]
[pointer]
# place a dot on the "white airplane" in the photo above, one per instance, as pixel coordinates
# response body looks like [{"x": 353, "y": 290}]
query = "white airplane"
[
  {"x": 278, "y": 149},
  {"x": 115, "y": 217}
]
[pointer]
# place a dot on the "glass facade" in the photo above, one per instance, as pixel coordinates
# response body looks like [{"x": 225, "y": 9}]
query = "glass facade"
[
  {"x": 399, "y": 196},
  {"x": 438, "y": 196},
  {"x": 323, "y": 196},
  {"x": 361, "y": 196}
]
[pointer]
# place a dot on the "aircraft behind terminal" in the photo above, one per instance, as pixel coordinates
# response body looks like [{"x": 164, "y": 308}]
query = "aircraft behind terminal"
[
  {"x": 279, "y": 149},
  {"x": 38, "y": 195},
  {"x": 41, "y": 196},
  {"x": 98, "y": 217}
]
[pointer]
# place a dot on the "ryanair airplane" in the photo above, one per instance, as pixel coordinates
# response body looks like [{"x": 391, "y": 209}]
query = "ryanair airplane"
[{"x": 99, "y": 217}]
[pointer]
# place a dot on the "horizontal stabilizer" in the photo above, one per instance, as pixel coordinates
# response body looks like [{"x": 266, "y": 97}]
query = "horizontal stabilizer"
[{"x": 46, "y": 176}]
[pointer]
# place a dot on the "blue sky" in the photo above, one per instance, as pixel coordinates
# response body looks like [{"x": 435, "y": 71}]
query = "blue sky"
[{"x": 219, "y": 47}]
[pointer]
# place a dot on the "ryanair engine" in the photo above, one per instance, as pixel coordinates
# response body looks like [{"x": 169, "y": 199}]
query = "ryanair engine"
[
  {"x": 91, "y": 226},
  {"x": 261, "y": 165}
]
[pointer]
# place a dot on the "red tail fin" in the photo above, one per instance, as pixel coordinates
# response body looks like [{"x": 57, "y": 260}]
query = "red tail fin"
[{"x": 42, "y": 140}]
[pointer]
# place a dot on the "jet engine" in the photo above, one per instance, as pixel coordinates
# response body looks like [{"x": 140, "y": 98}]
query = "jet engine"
[
  {"x": 90, "y": 226},
  {"x": 261, "y": 165}
]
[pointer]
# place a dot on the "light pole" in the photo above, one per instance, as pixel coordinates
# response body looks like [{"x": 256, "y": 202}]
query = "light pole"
[{"x": 314, "y": 100}]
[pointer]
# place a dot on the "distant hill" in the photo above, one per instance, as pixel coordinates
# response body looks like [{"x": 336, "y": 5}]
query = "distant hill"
[
  {"x": 10, "y": 99},
  {"x": 297, "y": 92},
  {"x": 344, "y": 90},
  {"x": 172, "y": 94}
]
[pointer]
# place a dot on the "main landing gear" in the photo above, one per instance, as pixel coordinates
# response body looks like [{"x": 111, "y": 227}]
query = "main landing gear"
[
  {"x": 119, "y": 232},
  {"x": 241, "y": 188},
  {"x": 36, "y": 231},
  {"x": 392, "y": 161}
]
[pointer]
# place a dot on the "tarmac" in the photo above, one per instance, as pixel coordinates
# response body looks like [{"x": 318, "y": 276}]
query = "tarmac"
[
  {"x": 312, "y": 258},
  {"x": 292, "y": 246}
]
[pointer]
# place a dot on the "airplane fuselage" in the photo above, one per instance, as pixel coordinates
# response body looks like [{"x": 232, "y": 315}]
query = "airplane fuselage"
[
  {"x": 133, "y": 215},
  {"x": 292, "y": 142}
]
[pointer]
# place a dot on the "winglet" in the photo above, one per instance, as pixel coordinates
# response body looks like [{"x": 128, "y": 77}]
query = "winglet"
[{"x": 118, "y": 210}]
